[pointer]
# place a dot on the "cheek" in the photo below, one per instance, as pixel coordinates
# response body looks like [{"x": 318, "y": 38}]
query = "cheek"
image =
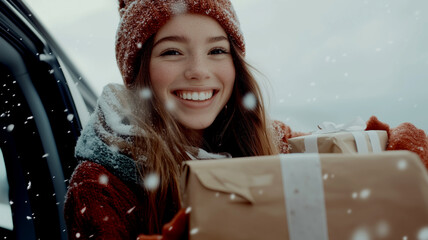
[
  {"x": 228, "y": 75},
  {"x": 160, "y": 79}
]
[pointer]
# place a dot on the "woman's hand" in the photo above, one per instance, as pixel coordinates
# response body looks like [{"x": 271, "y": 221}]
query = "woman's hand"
[
  {"x": 403, "y": 137},
  {"x": 176, "y": 229}
]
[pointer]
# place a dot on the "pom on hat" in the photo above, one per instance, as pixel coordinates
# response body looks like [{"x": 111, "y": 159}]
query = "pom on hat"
[{"x": 140, "y": 19}]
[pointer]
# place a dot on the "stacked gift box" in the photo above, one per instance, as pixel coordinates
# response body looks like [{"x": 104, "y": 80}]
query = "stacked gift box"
[
  {"x": 370, "y": 195},
  {"x": 340, "y": 138},
  {"x": 340, "y": 142}
]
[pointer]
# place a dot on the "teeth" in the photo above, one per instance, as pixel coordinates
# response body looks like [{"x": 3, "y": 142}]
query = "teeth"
[{"x": 195, "y": 96}]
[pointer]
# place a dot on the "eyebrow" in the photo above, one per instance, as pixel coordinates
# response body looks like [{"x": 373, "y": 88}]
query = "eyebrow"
[
  {"x": 217, "y": 39},
  {"x": 184, "y": 39}
]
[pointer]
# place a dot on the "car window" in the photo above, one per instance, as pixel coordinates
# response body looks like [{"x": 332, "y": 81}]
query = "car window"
[
  {"x": 19, "y": 157},
  {"x": 319, "y": 61},
  {"x": 81, "y": 107},
  {"x": 5, "y": 209}
]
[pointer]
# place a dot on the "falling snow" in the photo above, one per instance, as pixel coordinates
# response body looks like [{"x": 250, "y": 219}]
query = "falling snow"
[
  {"x": 114, "y": 148},
  {"x": 170, "y": 105},
  {"x": 103, "y": 179},
  {"x": 10, "y": 127},
  {"x": 402, "y": 165},
  {"x": 361, "y": 234},
  {"x": 146, "y": 93},
  {"x": 70, "y": 117},
  {"x": 151, "y": 181},
  {"x": 130, "y": 210},
  {"x": 365, "y": 193},
  {"x": 423, "y": 234},
  {"x": 382, "y": 229},
  {"x": 194, "y": 231},
  {"x": 179, "y": 7},
  {"x": 249, "y": 101},
  {"x": 232, "y": 196}
]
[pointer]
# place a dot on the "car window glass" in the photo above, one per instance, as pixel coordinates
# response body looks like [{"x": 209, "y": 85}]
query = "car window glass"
[
  {"x": 82, "y": 110},
  {"x": 5, "y": 209}
]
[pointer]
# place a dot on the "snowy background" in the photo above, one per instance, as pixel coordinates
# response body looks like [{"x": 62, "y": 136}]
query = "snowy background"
[{"x": 331, "y": 60}]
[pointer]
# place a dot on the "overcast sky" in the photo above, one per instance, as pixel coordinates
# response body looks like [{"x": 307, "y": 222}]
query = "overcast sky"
[{"x": 330, "y": 60}]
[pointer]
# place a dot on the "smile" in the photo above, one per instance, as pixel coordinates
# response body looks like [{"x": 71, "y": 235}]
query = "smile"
[{"x": 195, "y": 95}]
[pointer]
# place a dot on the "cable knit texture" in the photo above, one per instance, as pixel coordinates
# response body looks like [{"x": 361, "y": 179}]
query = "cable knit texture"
[
  {"x": 403, "y": 137},
  {"x": 282, "y": 133},
  {"x": 101, "y": 206},
  {"x": 140, "y": 19}
]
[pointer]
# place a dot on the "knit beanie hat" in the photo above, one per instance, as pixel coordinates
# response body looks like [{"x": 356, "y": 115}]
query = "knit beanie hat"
[{"x": 140, "y": 19}]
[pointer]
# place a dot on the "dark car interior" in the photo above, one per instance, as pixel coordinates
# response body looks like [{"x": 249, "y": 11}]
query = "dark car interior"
[{"x": 39, "y": 124}]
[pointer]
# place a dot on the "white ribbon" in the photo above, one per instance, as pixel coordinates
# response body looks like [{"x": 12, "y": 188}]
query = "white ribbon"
[
  {"x": 330, "y": 127},
  {"x": 361, "y": 142},
  {"x": 374, "y": 140},
  {"x": 311, "y": 144},
  {"x": 356, "y": 127},
  {"x": 304, "y": 196}
]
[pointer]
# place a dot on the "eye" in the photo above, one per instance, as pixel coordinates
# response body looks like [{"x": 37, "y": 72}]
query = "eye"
[
  {"x": 216, "y": 51},
  {"x": 170, "y": 52}
]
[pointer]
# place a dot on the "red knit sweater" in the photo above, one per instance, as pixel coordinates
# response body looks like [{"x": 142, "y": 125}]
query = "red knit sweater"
[{"x": 100, "y": 206}]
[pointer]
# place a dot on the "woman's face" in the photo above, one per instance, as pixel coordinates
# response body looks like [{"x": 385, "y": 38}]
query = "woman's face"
[{"x": 191, "y": 69}]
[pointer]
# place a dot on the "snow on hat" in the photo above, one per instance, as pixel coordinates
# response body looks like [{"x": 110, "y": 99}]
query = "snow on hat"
[{"x": 140, "y": 19}]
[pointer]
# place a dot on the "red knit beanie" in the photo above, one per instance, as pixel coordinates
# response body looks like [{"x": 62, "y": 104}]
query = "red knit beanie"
[{"x": 140, "y": 19}]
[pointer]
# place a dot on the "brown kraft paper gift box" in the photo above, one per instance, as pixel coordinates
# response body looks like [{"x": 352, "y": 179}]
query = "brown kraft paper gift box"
[
  {"x": 338, "y": 196},
  {"x": 339, "y": 142}
]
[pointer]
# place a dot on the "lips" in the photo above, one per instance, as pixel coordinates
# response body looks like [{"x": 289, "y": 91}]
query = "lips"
[{"x": 195, "y": 95}]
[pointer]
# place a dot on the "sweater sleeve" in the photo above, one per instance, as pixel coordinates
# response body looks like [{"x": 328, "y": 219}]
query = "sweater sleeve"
[
  {"x": 99, "y": 206},
  {"x": 282, "y": 133},
  {"x": 403, "y": 137}
]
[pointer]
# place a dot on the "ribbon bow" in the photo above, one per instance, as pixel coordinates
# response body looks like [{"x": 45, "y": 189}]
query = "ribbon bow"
[{"x": 357, "y": 124}]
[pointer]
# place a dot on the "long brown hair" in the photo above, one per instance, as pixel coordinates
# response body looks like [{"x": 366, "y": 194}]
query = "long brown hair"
[{"x": 237, "y": 130}]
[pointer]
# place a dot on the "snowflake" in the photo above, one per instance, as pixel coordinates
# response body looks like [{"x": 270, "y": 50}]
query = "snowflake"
[{"x": 103, "y": 179}]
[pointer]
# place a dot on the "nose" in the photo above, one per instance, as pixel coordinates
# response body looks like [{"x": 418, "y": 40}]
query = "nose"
[{"x": 197, "y": 69}]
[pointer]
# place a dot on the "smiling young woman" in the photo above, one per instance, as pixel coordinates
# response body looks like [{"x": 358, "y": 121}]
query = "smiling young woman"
[
  {"x": 185, "y": 74},
  {"x": 182, "y": 62}
]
